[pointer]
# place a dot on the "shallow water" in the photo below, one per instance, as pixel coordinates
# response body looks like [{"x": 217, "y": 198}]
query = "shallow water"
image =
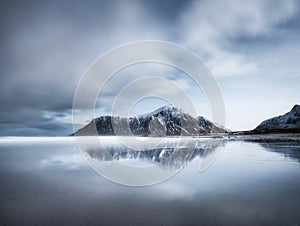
[{"x": 45, "y": 181}]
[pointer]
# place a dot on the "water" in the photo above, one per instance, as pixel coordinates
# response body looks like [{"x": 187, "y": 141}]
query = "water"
[{"x": 45, "y": 181}]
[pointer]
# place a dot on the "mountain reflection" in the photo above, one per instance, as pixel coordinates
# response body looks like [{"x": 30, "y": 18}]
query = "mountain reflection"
[
  {"x": 287, "y": 149},
  {"x": 169, "y": 155}
]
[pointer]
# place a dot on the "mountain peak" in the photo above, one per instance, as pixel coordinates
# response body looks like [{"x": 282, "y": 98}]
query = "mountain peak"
[
  {"x": 296, "y": 108},
  {"x": 167, "y": 109}
]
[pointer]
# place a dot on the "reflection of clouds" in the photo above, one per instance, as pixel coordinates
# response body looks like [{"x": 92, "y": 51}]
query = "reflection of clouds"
[
  {"x": 69, "y": 161},
  {"x": 175, "y": 190}
]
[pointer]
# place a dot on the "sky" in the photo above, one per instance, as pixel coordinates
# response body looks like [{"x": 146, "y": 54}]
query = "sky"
[{"x": 251, "y": 47}]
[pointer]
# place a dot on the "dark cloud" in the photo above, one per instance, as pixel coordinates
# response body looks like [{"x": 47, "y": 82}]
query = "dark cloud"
[{"x": 46, "y": 46}]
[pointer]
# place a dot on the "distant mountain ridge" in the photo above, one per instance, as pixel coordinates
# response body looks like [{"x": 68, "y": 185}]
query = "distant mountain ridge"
[
  {"x": 173, "y": 121},
  {"x": 165, "y": 121},
  {"x": 289, "y": 122}
]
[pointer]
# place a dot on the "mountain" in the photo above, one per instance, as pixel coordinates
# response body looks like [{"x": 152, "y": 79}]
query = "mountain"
[
  {"x": 210, "y": 126},
  {"x": 287, "y": 123},
  {"x": 165, "y": 121}
]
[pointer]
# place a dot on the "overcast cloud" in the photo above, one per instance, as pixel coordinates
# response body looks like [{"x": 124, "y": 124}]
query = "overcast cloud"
[{"x": 252, "y": 47}]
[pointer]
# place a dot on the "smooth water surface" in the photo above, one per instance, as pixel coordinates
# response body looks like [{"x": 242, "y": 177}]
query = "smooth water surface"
[{"x": 45, "y": 181}]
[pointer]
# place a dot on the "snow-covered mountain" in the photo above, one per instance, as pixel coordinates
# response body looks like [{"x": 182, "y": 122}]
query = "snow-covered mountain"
[
  {"x": 209, "y": 126},
  {"x": 165, "y": 121},
  {"x": 289, "y": 122}
]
